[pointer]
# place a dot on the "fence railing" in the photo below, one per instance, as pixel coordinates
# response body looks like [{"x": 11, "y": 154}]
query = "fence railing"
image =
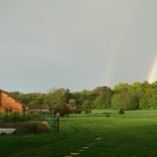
[{"x": 51, "y": 118}]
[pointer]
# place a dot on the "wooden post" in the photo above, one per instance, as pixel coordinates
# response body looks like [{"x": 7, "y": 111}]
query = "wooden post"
[{"x": 57, "y": 120}]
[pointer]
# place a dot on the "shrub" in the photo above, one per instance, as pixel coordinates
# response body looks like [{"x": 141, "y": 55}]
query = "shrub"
[
  {"x": 33, "y": 127},
  {"x": 107, "y": 114},
  {"x": 42, "y": 127},
  {"x": 27, "y": 127},
  {"x": 64, "y": 110},
  {"x": 78, "y": 111},
  {"x": 121, "y": 111}
]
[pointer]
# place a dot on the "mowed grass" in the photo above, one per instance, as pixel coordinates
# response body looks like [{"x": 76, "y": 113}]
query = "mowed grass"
[{"x": 133, "y": 134}]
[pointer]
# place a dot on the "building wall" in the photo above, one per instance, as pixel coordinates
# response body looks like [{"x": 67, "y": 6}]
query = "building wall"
[
  {"x": 38, "y": 110},
  {"x": 8, "y": 104}
]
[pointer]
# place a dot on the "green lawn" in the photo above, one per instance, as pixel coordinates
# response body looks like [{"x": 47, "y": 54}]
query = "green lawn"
[{"x": 133, "y": 134}]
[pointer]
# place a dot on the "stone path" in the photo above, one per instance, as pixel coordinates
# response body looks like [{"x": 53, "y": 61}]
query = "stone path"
[{"x": 78, "y": 152}]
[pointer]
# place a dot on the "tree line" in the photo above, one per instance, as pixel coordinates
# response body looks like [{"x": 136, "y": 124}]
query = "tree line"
[{"x": 126, "y": 96}]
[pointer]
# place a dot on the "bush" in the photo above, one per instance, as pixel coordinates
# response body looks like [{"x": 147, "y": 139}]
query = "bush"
[
  {"x": 33, "y": 127},
  {"x": 27, "y": 127},
  {"x": 107, "y": 114},
  {"x": 121, "y": 111},
  {"x": 42, "y": 127},
  {"x": 18, "y": 117}
]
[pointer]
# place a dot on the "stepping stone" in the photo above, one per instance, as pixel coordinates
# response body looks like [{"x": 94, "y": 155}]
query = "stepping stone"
[
  {"x": 85, "y": 147},
  {"x": 75, "y": 154},
  {"x": 81, "y": 150},
  {"x": 98, "y": 138}
]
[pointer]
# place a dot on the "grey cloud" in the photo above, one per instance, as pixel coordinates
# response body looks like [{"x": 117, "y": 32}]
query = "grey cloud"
[{"x": 75, "y": 44}]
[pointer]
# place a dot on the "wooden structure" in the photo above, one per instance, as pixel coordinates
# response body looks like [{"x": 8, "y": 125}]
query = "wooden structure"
[
  {"x": 41, "y": 108},
  {"x": 8, "y": 104}
]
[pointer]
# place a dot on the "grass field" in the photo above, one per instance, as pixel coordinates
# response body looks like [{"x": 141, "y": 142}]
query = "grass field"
[{"x": 133, "y": 134}]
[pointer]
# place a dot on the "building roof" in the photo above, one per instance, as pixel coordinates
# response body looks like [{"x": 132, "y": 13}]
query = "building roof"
[{"x": 3, "y": 91}]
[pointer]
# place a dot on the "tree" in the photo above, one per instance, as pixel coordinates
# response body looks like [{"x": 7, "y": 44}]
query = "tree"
[
  {"x": 153, "y": 98},
  {"x": 79, "y": 98},
  {"x": 86, "y": 106},
  {"x": 57, "y": 98},
  {"x": 145, "y": 94},
  {"x": 126, "y": 98},
  {"x": 102, "y": 97}
]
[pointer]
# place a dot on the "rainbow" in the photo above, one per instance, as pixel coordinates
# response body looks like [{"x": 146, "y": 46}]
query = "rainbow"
[
  {"x": 115, "y": 51},
  {"x": 152, "y": 77}
]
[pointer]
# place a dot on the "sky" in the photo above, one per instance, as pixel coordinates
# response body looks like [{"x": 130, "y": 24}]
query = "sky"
[{"x": 76, "y": 44}]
